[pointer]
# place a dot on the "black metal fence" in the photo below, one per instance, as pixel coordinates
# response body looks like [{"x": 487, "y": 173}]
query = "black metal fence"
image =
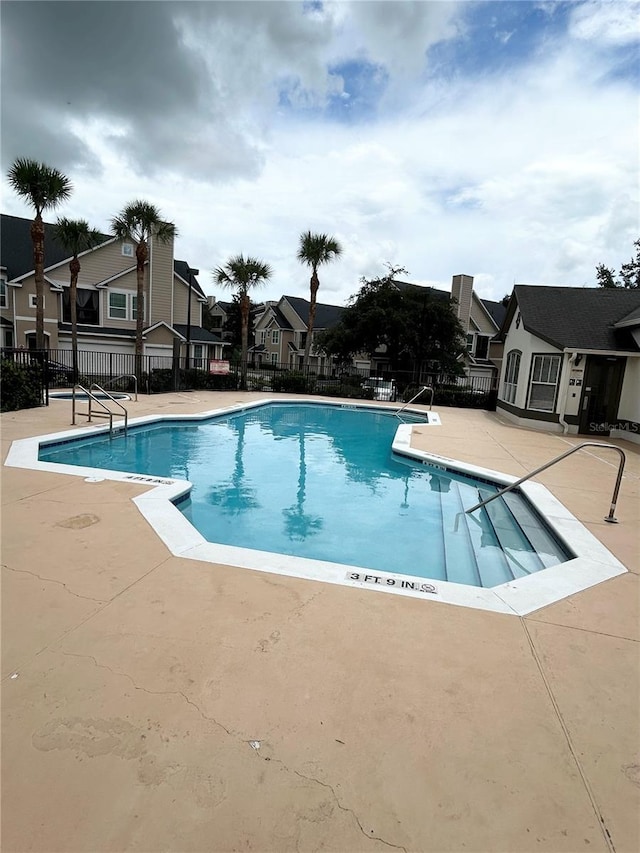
[{"x": 158, "y": 374}]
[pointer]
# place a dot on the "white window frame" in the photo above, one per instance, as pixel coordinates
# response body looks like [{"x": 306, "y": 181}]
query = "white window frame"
[
  {"x": 511, "y": 373},
  {"x": 4, "y": 293},
  {"x": 197, "y": 355},
  {"x": 275, "y": 336},
  {"x": 33, "y": 301},
  {"x": 274, "y": 358},
  {"x": 262, "y": 336},
  {"x": 130, "y": 306},
  {"x": 544, "y": 366},
  {"x": 128, "y": 250}
]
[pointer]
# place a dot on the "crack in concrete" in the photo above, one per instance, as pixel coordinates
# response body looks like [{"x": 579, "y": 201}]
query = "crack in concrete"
[
  {"x": 237, "y": 737},
  {"x": 54, "y": 580},
  {"x": 565, "y": 730},
  {"x": 585, "y": 630},
  {"x": 344, "y": 808},
  {"x": 152, "y": 692}
]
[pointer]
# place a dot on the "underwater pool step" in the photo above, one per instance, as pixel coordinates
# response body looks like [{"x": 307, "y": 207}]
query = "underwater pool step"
[
  {"x": 460, "y": 559},
  {"x": 519, "y": 551},
  {"x": 548, "y": 549},
  {"x": 492, "y": 562}
]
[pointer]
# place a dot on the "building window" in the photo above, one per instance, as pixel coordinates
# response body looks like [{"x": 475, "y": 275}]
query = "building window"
[
  {"x": 482, "y": 346},
  {"x": 4, "y": 296},
  {"x": 117, "y": 306},
  {"x": 274, "y": 358},
  {"x": 197, "y": 360},
  {"x": 33, "y": 299},
  {"x": 87, "y": 307},
  {"x": 511, "y": 376},
  {"x": 545, "y": 370},
  {"x": 127, "y": 250},
  {"x": 470, "y": 338},
  {"x": 275, "y": 336},
  {"x": 122, "y": 305},
  {"x": 262, "y": 335}
]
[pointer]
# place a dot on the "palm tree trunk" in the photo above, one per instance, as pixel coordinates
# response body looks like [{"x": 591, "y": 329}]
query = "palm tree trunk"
[
  {"x": 37, "y": 238},
  {"x": 74, "y": 269},
  {"x": 141, "y": 257},
  {"x": 244, "y": 318},
  {"x": 313, "y": 287}
]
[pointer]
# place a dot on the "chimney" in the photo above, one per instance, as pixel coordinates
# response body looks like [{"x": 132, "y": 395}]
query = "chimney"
[{"x": 461, "y": 291}]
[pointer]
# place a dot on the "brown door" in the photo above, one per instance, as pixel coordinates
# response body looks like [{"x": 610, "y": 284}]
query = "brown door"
[{"x": 601, "y": 394}]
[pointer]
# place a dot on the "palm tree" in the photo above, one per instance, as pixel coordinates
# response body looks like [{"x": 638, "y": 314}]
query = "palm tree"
[
  {"x": 76, "y": 236},
  {"x": 243, "y": 274},
  {"x": 138, "y": 222},
  {"x": 315, "y": 249},
  {"x": 44, "y": 187}
]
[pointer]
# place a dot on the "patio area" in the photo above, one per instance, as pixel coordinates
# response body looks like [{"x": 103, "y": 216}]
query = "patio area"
[{"x": 152, "y": 703}]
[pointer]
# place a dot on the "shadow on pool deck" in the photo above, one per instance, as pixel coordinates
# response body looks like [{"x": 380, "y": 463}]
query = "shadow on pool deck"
[{"x": 143, "y": 683}]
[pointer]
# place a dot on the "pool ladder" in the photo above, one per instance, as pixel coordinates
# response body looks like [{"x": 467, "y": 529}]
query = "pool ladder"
[
  {"x": 414, "y": 398},
  {"x": 103, "y": 412}
]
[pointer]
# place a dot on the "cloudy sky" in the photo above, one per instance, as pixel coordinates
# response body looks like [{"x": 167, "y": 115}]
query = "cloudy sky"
[{"x": 497, "y": 139}]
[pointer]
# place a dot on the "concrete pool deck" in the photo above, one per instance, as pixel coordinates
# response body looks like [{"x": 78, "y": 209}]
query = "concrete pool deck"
[{"x": 152, "y": 703}]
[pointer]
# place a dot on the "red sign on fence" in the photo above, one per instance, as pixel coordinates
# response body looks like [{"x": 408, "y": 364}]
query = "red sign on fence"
[{"x": 217, "y": 365}]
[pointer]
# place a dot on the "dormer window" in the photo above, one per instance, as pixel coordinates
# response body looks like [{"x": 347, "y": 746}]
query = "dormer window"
[{"x": 127, "y": 250}]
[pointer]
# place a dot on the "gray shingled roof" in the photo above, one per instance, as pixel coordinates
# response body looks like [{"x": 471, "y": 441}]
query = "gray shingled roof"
[
  {"x": 198, "y": 334},
  {"x": 497, "y": 310},
  {"x": 326, "y": 315},
  {"x": 182, "y": 269},
  {"x": 632, "y": 319},
  {"x": 281, "y": 320},
  {"x": 442, "y": 295},
  {"x": 98, "y": 330},
  {"x": 578, "y": 318}
]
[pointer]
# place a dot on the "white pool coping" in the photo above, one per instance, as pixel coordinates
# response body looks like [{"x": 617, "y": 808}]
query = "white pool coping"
[{"x": 592, "y": 564}]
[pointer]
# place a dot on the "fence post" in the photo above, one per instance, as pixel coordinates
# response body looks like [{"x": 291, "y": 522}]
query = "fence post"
[{"x": 175, "y": 365}]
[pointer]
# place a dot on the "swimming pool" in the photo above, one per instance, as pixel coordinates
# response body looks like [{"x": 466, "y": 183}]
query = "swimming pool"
[
  {"x": 591, "y": 564},
  {"x": 321, "y": 482}
]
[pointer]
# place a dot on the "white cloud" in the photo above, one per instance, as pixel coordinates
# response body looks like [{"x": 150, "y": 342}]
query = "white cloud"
[
  {"x": 528, "y": 176},
  {"x": 609, "y": 22}
]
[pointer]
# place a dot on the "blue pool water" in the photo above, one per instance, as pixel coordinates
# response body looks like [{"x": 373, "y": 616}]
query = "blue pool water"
[{"x": 321, "y": 481}]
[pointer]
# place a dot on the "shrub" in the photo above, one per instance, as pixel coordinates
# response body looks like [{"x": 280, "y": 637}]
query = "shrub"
[
  {"x": 20, "y": 385},
  {"x": 192, "y": 379},
  {"x": 293, "y": 382}
]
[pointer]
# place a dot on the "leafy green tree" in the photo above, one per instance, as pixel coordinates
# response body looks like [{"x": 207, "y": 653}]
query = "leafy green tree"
[
  {"x": 417, "y": 332},
  {"x": 242, "y": 275},
  {"x": 629, "y": 273},
  {"x": 76, "y": 236},
  {"x": 44, "y": 188},
  {"x": 315, "y": 250},
  {"x": 139, "y": 222}
]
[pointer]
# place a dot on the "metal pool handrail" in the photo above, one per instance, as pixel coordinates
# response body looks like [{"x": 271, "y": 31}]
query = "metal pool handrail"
[
  {"x": 106, "y": 413},
  {"x": 614, "y": 499},
  {"x": 413, "y": 399},
  {"x": 128, "y": 376}
]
